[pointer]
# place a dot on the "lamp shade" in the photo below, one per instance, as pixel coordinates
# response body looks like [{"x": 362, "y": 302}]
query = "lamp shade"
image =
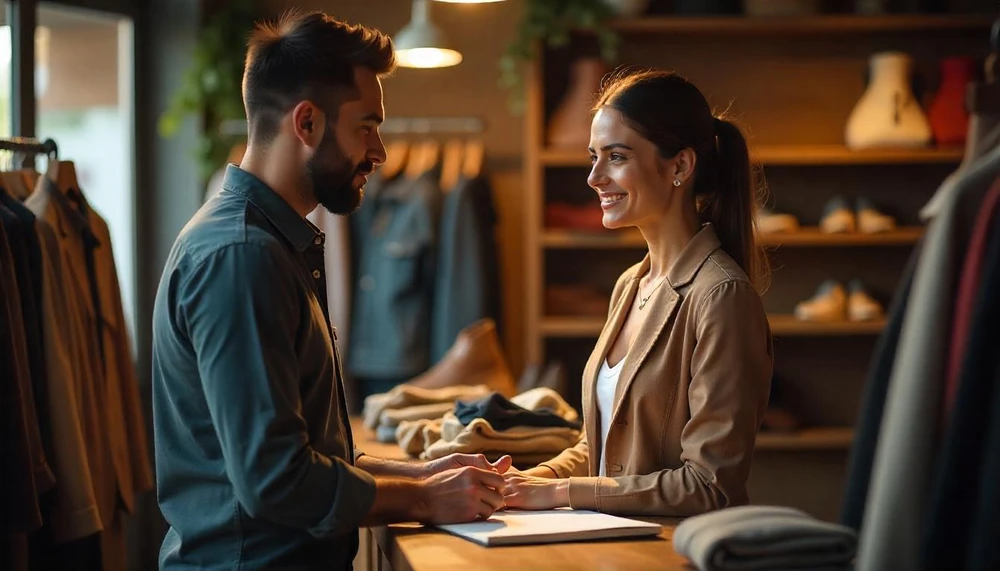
[{"x": 421, "y": 44}]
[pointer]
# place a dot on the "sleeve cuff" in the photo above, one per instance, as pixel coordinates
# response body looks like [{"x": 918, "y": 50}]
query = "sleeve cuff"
[
  {"x": 584, "y": 492},
  {"x": 560, "y": 472},
  {"x": 352, "y": 502}
]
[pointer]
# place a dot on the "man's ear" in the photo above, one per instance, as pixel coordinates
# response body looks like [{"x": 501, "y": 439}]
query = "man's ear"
[{"x": 307, "y": 123}]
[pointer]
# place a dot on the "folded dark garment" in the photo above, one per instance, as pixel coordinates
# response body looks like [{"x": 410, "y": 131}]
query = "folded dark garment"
[
  {"x": 502, "y": 414},
  {"x": 771, "y": 538}
]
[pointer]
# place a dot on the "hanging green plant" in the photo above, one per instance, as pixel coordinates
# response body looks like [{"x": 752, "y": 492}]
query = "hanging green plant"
[
  {"x": 211, "y": 86},
  {"x": 550, "y": 22}
]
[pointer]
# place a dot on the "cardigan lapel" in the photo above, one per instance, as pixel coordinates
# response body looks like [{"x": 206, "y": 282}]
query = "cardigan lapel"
[
  {"x": 612, "y": 327},
  {"x": 662, "y": 306}
]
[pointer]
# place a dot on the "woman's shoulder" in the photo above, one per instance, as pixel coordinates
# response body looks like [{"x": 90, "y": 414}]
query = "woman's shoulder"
[{"x": 719, "y": 274}]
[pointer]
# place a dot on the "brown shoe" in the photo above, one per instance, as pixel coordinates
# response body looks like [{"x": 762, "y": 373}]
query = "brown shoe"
[{"x": 474, "y": 359}]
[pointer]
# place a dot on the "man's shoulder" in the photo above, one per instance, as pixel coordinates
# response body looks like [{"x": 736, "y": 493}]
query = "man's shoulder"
[{"x": 226, "y": 223}]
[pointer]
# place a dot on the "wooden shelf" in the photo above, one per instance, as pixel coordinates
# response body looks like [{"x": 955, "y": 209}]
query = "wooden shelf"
[
  {"x": 812, "y": 236},
  {"x": 782, "y": 325},
  {"x": 806, "y": 236},
  {"x": 826, "y": 438},
  {"x": 571, "y": 326},
  {"x": 798, "y": 26},
  {"x": 789, "y": 326},
  {"x": 817, "y": 155}
]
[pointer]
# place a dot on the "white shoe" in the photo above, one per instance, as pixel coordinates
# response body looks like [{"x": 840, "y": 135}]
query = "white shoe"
[
  {"x": 861, "y": 306},
  {"x": 771, "y": 222},
  {"x": 837, "y": 217},
  {"x": 829, "y": 303},
  {"x": 870, "y": 220}
]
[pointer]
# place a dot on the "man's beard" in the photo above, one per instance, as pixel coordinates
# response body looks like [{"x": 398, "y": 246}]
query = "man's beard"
[{"x": 333, "y": 183}]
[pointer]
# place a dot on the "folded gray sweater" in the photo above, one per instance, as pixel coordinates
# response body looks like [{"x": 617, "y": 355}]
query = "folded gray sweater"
[{"x": 762, "y": 538}]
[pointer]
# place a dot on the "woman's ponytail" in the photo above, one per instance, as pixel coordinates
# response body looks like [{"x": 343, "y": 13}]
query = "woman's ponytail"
[{"x": 731, "y": 205}]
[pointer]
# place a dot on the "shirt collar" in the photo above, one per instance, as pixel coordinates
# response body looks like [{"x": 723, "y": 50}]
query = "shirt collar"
[
  {"x": 692, "y": 258},
  {"x": 297, "y": 230},
  {"x": 77, "y": 217}
]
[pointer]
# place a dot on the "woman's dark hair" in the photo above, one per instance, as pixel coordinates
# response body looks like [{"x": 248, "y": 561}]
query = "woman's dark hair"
[{"x": 672, "y": 113}]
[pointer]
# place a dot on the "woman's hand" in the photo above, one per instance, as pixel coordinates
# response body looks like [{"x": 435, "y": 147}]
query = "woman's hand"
[{"x": 532, "y": 493}]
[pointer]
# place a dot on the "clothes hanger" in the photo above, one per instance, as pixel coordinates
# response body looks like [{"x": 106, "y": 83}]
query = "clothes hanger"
[
  {"x": 432, "y": 155},
  {"x": 63, "y": 174},
  {"x": 415, "y": 161},
  {"x": 451, "y": 164},
  {"x": 472, "y": 166},
  {"x": 396, "y": 156}
]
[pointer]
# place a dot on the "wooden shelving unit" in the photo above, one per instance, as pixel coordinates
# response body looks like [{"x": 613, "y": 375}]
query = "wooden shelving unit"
[
  {"x": 807, "y": 439},
  {"x": 793, "y": 82},
  {"x": 781, "y": 325},
  {"x": 805, "y": 237},
  {"x": 815, "y": 155}
]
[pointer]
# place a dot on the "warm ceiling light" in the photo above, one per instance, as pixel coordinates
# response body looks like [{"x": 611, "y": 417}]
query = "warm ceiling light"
[
  {"x": 470, "y": 1},
  {"x": 421, "y": 44}
]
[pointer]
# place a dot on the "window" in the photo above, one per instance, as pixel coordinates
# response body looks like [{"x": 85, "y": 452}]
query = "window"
[
  {"x": 6, "y": 111},
  {"x": 84, "y": 86}
]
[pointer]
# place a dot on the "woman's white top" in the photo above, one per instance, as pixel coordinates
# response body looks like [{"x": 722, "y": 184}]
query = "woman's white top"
[{"x": 607, "y": 382}]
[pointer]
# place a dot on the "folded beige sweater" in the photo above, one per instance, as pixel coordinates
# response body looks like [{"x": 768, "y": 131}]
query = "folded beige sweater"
[
  {"x": 405, "y": 396},
  {"x": 435, "y": 438}
]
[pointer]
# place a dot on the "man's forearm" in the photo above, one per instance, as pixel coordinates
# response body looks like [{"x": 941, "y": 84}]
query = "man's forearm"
[
  {"x": 396, "y": 500},
  {"x": 391, "y": 468}
]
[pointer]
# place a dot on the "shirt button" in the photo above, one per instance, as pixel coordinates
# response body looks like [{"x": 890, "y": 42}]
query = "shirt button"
[
  {"x": 367, "y": 283},
  {"x": 316, "y": 274},
  {"x": 318, "y": 240}
]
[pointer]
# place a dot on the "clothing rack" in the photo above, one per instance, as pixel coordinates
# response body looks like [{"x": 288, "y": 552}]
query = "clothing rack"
[
  {"x": 30, "y": 146},
  {"x": 429, "y": 125}
]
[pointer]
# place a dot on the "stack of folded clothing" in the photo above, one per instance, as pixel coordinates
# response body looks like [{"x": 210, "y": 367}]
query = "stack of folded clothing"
[
  {"x": 383, "y": 412},
  {"x": 531, "y": 427},
  {"x": 764, "y": 538}
]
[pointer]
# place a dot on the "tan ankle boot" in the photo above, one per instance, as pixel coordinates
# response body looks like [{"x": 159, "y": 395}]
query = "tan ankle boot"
[{"x": 474, "y": 359}]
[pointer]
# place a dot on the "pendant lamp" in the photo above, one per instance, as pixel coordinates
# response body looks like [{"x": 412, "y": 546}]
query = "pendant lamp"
[{"x": 421, "y": 44}]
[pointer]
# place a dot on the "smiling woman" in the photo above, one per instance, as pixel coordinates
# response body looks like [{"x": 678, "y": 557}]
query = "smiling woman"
[{"x": 676, "y": 387}]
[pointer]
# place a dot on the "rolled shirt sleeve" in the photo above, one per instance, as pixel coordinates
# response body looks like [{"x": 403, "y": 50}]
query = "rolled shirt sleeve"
[{"x": 245, "y": 334}]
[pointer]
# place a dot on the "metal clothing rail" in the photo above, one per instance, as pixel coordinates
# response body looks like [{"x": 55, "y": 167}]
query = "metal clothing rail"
[{"x": 30, "y": 146}]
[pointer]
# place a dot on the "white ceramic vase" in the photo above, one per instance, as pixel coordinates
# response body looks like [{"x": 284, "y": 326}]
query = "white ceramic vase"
[{"x": 888, "y": 114}]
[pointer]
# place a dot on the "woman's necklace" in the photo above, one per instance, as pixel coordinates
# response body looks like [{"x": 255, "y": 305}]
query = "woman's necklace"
[{"x": 643, "y": 300}]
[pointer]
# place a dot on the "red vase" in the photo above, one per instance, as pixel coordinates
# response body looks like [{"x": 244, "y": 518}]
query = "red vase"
[{"x": 948, "y": 116}]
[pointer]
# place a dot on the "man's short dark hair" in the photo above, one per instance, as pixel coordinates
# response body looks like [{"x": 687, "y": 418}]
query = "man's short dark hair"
[{"x": 306, "y": 55}]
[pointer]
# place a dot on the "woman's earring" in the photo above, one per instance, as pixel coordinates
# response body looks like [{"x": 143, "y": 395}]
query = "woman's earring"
[{"x": 677, "y": 182}]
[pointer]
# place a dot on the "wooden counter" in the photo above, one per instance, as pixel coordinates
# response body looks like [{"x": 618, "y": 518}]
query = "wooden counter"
[{"x": 412, "y": 547}]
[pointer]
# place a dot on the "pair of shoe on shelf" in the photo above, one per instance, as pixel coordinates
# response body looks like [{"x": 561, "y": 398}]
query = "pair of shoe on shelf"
[
  {"x": 833, "y": 302},
  {"x": 838, "y": 217}
]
